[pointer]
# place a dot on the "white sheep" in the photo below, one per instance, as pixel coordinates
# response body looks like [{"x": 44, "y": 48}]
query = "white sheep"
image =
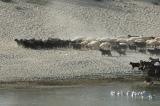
[
  {"x": 113, "y": 40},
  {"x": 90, "y": 39},
  {"x": 152, "y": 42},
  {"x": 157, "y": 38},
  {"x": 84, "y": 43},
  {"x": 122, "y": 40},
  {"x": 105, "y": 45},
  {"x": 147, "y": 38},
  {"x": 139, "y": 40},
  {"x": 132, "y": 39},
  {"x": 123, "y": 44},
  {"x": 93, "y": 45},
  {"x": 78, "y": 39},
  {"x": 103, "y": 39}
]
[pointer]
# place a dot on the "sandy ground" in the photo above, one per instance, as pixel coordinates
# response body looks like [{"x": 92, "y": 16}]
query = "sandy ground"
[{"x": 69, "y": 19}]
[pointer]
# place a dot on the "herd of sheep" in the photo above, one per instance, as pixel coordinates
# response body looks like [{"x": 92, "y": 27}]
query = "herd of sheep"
[{"x": 104, "y": 45}]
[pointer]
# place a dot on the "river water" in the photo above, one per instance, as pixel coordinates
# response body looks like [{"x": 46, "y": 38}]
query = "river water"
[{"x": 81, "y": 95}]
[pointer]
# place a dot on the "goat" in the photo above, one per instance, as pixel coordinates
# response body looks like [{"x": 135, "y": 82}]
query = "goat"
[{"x": 134, "y": 65}]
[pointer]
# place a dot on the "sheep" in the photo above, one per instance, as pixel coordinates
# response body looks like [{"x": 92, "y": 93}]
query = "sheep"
[
  {"x": 129, "y": 36},
  {"x": 157, "y": 38},
  {"x": 105, "y": 45},
  {"x": 119, "y": 46},
  {"x": 103, "y": 39},
  {"x": 84, "y": 43},
  {"x": 149, "y": 42},
  {"x": 141, "y": 45},
  {"x": 141, "y": 50},
  {"x": 147, "y": 38},
  {"x": 154, "y": 51},
  {"x": 123, "y": 45},
  {"x": 105, "y": 52},
  {"x": 132, "y": 39},
  {"x": 47, "y": 44},
  {"x": 78, "y": 40},
  {"x": 122, "y": 40},
  {"x": 132, "y": 47},
  {"x": 153, "y": 59},
  {"x": 52, "y": 42},
  {"x": 93, "y": 45},
  {"x": 29, "y": 43},
  {"x": 139, "y": 40},
  {"x": 153, "y": 43},
  {"x": 90, "y": 39},
  {"x": 121, "y": 52},
  {"x": 76, "y": 46},
  {"x": 18, "y": 41},
  {"x": 113, "y": 41}
]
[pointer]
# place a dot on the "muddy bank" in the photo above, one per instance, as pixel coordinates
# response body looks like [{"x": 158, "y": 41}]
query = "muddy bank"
[{"x": 64, "y": 82}]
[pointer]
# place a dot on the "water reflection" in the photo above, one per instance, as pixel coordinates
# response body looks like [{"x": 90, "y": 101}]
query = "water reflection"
[{"x": 133, "y": 94}]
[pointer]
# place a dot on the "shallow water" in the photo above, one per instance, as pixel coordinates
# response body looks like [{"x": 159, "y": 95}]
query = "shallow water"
[{"x": 88, "y": 95}]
